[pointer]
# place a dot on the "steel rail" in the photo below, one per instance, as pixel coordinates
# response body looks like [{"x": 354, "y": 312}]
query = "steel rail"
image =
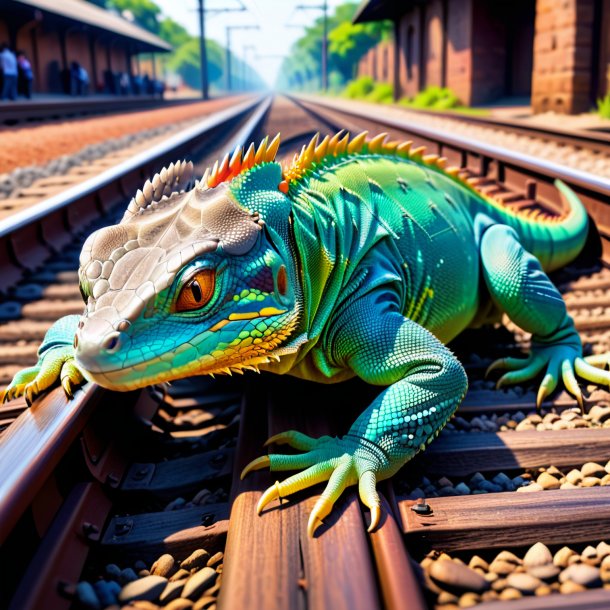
[
  {"x": 35, "y": 442},
  {"x": 181, "y": 140},
  {"x": 541, "y": 167}
]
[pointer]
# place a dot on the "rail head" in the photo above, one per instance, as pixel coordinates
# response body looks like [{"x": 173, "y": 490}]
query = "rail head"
[
  {"x": 180, "y": 140},
  {"x": 33, "y": 444},
  {"x": 541, "y": 167}
]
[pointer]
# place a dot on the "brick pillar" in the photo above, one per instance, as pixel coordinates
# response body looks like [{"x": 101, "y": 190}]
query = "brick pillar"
[{"x": 563, "y": 56}]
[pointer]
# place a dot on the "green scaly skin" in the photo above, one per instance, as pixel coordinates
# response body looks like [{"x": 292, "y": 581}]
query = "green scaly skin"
[{"x": 367, "y": 266}]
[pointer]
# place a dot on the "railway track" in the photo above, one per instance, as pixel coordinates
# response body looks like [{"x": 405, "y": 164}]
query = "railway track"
[{"x": 118, "y": 497}]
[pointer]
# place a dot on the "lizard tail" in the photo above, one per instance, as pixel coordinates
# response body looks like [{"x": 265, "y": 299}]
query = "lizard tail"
[{"x": 554, "y": 240}]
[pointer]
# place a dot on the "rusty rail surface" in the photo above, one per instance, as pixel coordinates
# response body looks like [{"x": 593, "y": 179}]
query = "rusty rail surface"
[{"x": 142, "y": 463}]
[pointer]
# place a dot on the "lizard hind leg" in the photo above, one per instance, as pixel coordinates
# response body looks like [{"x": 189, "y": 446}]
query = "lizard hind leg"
[{"x": 518, "y": 284}]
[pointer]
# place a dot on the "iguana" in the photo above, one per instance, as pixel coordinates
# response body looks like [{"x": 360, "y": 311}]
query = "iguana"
[{"x": 359, "y": 258}]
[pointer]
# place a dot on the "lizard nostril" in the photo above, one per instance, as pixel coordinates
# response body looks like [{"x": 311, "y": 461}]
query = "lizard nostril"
[
  {"x": 111, "y": 342},
  {"x": 75, "y": 341}
]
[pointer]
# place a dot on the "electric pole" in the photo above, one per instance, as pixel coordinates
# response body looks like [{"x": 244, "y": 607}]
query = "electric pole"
[
  {"x": 324, "y": 8},
  {"x": 203, "y": 51},
  {"x": 228, "y": 53}
]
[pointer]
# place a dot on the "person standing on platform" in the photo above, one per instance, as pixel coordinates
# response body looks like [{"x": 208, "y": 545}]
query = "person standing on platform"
[
  {"x": 26, "y": 75},
  {"x": 8, "y": 64}
]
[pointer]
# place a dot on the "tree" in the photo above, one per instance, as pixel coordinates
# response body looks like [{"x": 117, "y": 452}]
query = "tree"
[
  {"x": 172, "y": 32},
  {"x": 145, "y": 12}
]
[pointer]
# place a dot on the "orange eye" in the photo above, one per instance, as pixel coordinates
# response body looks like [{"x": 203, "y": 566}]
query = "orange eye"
[{"x": 197, "y": 292}]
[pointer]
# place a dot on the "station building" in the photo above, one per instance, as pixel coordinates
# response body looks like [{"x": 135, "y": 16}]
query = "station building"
[
  {"x": 55, "y": 33},
  {"x": 554, "y": 52}
]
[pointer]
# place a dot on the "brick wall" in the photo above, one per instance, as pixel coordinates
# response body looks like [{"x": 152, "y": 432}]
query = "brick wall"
[
  {"x": 563, "y": 47},
  {"x": 459, "y": 52}
]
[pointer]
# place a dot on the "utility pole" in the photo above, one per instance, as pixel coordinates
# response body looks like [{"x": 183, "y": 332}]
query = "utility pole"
[
  {"x": 228, "y": 50},
  {"x": 202, "y": 48},
  {"x": 248, "y": 47},
  {"x": 203, "y": 51},
  {"x": 324, "y": 8}
]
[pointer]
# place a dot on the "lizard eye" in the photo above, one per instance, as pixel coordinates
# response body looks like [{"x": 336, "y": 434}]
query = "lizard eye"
[{"x": 197, "y": 292}]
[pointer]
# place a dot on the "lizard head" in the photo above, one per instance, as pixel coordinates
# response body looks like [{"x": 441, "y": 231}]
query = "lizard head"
[{"x": 189, "y": 282}]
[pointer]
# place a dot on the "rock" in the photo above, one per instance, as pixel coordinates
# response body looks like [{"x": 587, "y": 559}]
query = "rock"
[
  {"x": 554, "y": 471},
  {"x": 127, "y": 575},
  {"x": 508, "y": 556},
  {"x": 510, "y": 593},
  {"x": 599, "y": 414},
  {"x": 605, "y": 480},
  {"x": 462, "y": 489},
  {"x": 546, "y": 572},
  {"x": 569, "y": 415},
  {"x": 180, "y": 575},
  {"x": 603, "y": 549},
  {"x": 562, "y": 556},
  {"x": 525, "y": 425},
  {"x": 500, "y": 567},
  {"x": 107, "y": 592},
  {"x": 499, "y": 584},
  {"x": 172, "y": 590},
  {"x": 477, "y": 562},
  {"x": 445, "y": 597},
  {"x": 592, "y": 469},
  {"x": 543, "y": 590},
  {"x": 549, "y": 418},
  {"x": 476, "y": 478},
  {"x": 489, "y": 487},
  {"x": 503, "y": 481},
  {"x": 215, "y": 559},
  {"x": 113, "y": 571},
  {"x": 560, "y": 424},
  {"x": 87, "y": 597},
  {"x": 468, "y": 600},
  {"x": 197, "y": 559},
  {"x": 530, "y": 487},
  {"x": 570, "y": 587},
  {"x": 568, "y": 486},
  {"x": 148, "y": 588},
  {"x": 444, "y": 482},
  {"x": 590, "y": 482},
  {"x": 164, "y": 566},
  {"x": 581, "y": 574},
  {"x": 456, "y": 578},
  {"x": 445, "y": 492},
  {"x": 179, "y": 604},
  {"x": 589, "y": 552},
  {"x": 199, "y": 582},
  {"x": 537, "y": 555},
  {"x": 548, "y": 481},
  {"x": 534, "y": 418},
  {"x": 525, "y": 583},
  {"x": 574, "y": 476}
]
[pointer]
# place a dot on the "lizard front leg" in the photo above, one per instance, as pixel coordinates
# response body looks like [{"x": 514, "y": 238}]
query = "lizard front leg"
[
  {"x": 426, "y": 384},
  {"x": 55, "y": 363}
]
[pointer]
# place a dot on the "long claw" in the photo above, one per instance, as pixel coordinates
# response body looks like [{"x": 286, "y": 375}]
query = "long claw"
[
  {"x": 597, "y": 360},
  {"x": 294, "y": 439},
  {"x": 507, "y": 364},
  {"x": 313, "y": 524},
  {"x": 67, "y": 386},
  {"x": 549, "y": 383},
  {"x": 375, "y": 517},
  {"x": 569, "y": 380},
  {"x": 258, "y": 464},
  {"x": 271, "y": 494}
]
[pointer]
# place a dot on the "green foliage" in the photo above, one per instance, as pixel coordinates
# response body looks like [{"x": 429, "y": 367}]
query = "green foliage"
[
  {"x": 145, "y": 12},
  {"x": 603, "y": 107},
  {"x": 186, "y": 61},
  {"x": 382, "y": 93},
  {"x": 434, "y": 97},
  {"x": 359, "y": 88},
  {"x": 347, "y": 43},
  {"x": 173, "y": 32}
]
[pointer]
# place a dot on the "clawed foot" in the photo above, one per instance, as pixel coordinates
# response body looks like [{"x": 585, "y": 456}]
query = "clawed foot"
[
  {"x": 341, "y": 462},
  {"x": 559, "y": 362},
  {"x": 32, "y": 382}
]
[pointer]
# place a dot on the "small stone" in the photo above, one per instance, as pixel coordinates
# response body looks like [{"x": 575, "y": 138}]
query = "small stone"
[
  {"x": 605, "y": 480},
  {"x": 462, "y": 489},
  {"x": 568, "y": 486},
  {"x": 142, "y": 604},
  {"x": 574, "y": 476},
  {"x": 148, "y": 588},
  {"x": 444, "y": 482},
  {"x": 445, "y": 492},
  {"x": 525, "y": 583},
  {"x": 199, "y": 582},
  {"x": 510, "y": 557},
  {"x": 127, "y": 575},
  {"x": 562, "y": 556},
  {"x": 490, "y": 576},
  {"x": 534, "y": 418},
  {"x": 489, "y": 487},
  {"x": 499, "y": 584},
  {"x": 206, "y": 602},
  {"x": 476, "y": 478},
  {"x": 477, "y": 562},
  {"x": 179, "y": 604},
  {"x": 554, "y": 471},
  {"x": 445, "y": 597},
  {"x": 172, "y": 590},
  {"x": 568, "y": 587},
  {"x": 525, "y": 425},
  {"x": 560, "y": 424},
  {"x": 548, "y": 481},
  {"x": 139, "y": 565},
  {"x": 107, "y": 592},
  {"x": 164, "y": 566},
  {"x": 510, "y": 593},
  {"x": 606, "y": 563},
  {"x": 537, "y": 555},
  {"x": 503, "y": 481},
  {"x": 599, "y": 414},
  {"x": 590, "y": 482},
  {"x": 468, "y": 600},
  {"x": 215, "y": 559},
  {"x": 581, "y": 574},
  {"x": 549, "y": 418},
  {"x": 546, "y": 572},
  {"x": 530, "y": 487},
  {"x": 181, "y": 574},
  {"x": 113, "y": 571},
  {"x": 456, "y": 578},
  {"x": 589, "y": 552},
  {"x": 603, "y": 549},
  {"x": 500, "y": 567},
  {"x": 87, "y": 597},
  {"x": 569, "y": 415},
  {"x": 543, "y": 590},
  {"x": 197, "y": 559},
  {"x": 593, "y": 469}
]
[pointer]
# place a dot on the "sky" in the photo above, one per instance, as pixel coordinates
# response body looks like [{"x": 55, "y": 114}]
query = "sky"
[{"x": 271, "y": 42}]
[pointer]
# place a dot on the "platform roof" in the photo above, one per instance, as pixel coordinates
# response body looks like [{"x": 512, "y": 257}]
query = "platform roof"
[
  {"x": 377, "y": 10},
  {"x": 92, "y": 15}
]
